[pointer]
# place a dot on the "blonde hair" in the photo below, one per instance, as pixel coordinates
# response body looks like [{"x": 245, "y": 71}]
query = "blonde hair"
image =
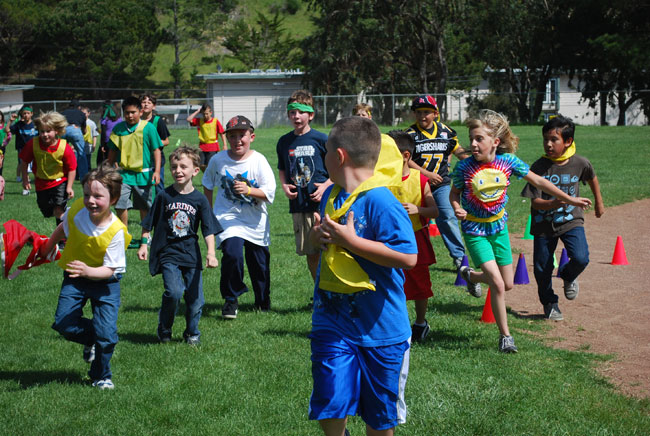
[
  {"x": 362, "y": 107},
  {"x": 498, "y": 127},
  {"x": 53, "y": 120}
]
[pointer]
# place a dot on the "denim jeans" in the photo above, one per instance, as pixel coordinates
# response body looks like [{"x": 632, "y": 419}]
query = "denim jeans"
[
  {"x": 577, "y": 249},
  {"x": 447, "y": 222},
  {"x": 76, "y": 139},
  {"x": 101, "y": 330},
  {"x": 232, "y": 271},
  {"x": 179, "y": 281}
]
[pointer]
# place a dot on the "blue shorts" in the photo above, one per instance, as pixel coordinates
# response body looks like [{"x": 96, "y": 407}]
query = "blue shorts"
[{"x": 354, "y": 380}]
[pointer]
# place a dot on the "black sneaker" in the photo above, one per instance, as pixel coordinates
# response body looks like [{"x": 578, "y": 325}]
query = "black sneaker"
[
  {"x": 229, "y": 310},
  {"x": 507, "y": 344},
  {"x": 420, "y": 332},
  {"x": 552, "y": 312},
  {"x": 163, "y": 338},
  {"x": 474, "y": 289}
]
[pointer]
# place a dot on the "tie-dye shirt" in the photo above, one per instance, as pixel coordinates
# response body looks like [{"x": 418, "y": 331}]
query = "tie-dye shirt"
[{"x": 484, "y": 187}]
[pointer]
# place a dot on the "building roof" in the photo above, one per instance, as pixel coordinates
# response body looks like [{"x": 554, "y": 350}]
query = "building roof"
[{"x": 274, "y": 73}]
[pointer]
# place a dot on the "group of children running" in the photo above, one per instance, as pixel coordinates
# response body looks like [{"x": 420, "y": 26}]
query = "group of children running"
[{"x": 360, "y": 203}]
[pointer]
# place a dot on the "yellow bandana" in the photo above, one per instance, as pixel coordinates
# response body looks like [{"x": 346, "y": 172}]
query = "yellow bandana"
[
  {"x": 339, "y": 272},
  {"x": 570, "y": 151}
]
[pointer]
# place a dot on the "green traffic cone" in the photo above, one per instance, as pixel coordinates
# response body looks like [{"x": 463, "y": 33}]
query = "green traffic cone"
[{"x": 527, "y": 234}]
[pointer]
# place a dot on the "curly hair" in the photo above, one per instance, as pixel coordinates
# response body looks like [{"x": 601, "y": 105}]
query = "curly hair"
[
  {"x": 53, "y": 120},
  {"x": 498, "y": 127}
]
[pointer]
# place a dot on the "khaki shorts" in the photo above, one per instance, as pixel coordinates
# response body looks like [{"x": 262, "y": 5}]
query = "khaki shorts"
[{"x": 302, "y": 224}]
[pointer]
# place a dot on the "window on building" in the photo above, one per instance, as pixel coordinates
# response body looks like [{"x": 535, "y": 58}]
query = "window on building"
[{"x": 551, "y": 96}]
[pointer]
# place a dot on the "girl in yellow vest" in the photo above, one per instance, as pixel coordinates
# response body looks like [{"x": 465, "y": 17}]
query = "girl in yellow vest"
[
  {"x": 93, "y": 262},
  {"x": 53, "y": 163}
]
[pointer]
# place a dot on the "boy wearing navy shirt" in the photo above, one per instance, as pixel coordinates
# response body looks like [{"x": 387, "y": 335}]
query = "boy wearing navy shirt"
[{"x": 302, "y": 172}]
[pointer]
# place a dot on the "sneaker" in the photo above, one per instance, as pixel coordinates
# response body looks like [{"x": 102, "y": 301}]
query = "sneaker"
[
  {"x": 474, "y": 289},
  {"x": 89, "y": 353},
  {"x": 420, "y": 332},
  {"x": 229, "y": 310},
  {"x": 552, "y": 312},
  {"x": 458, "y": 262},
  {"x": 26, "y": 191},
  {"x": 507, "y": 344},
  {"x": 106, "y": 383},
  {"x": 347, "y": 433},
  {"x": 193, "y": 340},
  {"x": 163, "y": 338},
  {"x": 571, "y": 289},
  {"x": 19, "y": 179}
]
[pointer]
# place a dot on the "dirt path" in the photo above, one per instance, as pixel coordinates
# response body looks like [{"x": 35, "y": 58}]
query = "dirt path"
[{"x": 612, "y": 312}]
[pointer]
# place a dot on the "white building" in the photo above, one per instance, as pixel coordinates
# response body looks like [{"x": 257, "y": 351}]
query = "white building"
[{"x": 11, "y": 97}]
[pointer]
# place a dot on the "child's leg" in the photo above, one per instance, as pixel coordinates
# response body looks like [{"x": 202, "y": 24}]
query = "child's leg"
[
  {"x": 232, "y": 269},
  {"x": 106, "y": 302},
  {"x": 68, "y": 318},
  {"x": 491, "y": 274},
  {"x": 577, "y": 249},
  {"x": 543, "y": 268},
  {"x": 194, "y": 301},
  {"x": 258, "y": 263},
  {"x": 372, "y": 432},
  {"x": 420, "y": 311},
  {"x": 174, "y": 288},
  {"x": 333, "y": 427}
]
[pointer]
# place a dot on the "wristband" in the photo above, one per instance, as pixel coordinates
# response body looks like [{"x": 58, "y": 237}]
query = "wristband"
[
  {"x": 144, "y": 241},
  {"x": 249, "y": 191}
]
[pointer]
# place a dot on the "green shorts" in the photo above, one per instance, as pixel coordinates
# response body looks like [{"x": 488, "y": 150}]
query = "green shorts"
[{"x": 485, "y": 248}]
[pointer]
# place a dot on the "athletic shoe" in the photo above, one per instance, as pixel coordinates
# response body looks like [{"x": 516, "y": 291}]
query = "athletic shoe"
[
  {"x": 19, "y": 179},
  {"x": 347, "y": 433},
  {"x": 420, "y": 332},
  {"x": 458, "y": 262},
  {"x": 552, "y": 312},
  {"x": 106, "y": 383},
  {"x": 229, "y": 310},
  {"x": 89, "y": 353},
  {"x": 571, "y": 289},
  {"x": 474, "y": 289},
  {"x": 193, "y": 340},
  {"x": 163, "y": 338},
  {"x": 507, "y": 344},
  {"x": 26, "y": 191}
]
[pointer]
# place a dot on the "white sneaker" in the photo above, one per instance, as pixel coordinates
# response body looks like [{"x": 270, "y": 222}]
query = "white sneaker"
[
  {"x": 103, "y": 384},
  {"x": 26, "y": 191}
]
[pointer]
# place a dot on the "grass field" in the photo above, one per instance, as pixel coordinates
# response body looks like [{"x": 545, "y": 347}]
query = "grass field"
[{"x": 251, "y": 376}]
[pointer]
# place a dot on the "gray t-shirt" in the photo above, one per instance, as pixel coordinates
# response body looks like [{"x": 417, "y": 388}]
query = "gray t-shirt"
[{"x": 567, "y": 178}]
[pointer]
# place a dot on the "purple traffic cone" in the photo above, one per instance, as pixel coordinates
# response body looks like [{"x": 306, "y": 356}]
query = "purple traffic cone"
[
  {"x": 521, "y": 275},
  {"x": 564, "y": 258},
  {"x": 460, "y": 281}
]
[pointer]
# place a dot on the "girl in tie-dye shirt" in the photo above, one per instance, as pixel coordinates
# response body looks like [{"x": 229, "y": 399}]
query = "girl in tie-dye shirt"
[{"x": 479, "y": 196}]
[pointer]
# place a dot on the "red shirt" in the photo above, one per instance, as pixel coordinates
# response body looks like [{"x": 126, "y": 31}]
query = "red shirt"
[{"x": 69, "y": 163}]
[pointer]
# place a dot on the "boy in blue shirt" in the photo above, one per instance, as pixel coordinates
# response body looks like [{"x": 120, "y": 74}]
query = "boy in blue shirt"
[
  {"x": 302, "y": 172},
  {"x": 360, "y": 325},
  {"x": 23, "y": 130}
]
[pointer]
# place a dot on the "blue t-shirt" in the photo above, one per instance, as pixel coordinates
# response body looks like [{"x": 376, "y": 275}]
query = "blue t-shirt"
[
  {"x": 484, "y": 187},
  {"x": 23, "y": 133},
  {"x": 302, "y": 158},
  {"x": 370, "y": 318}
]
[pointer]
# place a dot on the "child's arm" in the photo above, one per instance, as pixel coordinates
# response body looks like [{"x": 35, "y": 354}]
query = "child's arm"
[
  {"x": 77, "y": 268},
  {"x": 242, "y": 188},
  {"x": 430, "y": 210},
  {"x": 68, "y": 183},
  {"x": 434, "y": 178},
  {"x": 156, "y": 171},
  {"x": 454, "y": 199},
  {"x": 288, "y": 188},
  {"x": 345, "y": 236},
  {"x": 208, "y": 194},
  {"x": 599, "y": 206},
  {"x": 23, "y": 171},
  {"x": 223, "y": 141},
  {"x": 191, "y": 116},
  {"x": 12, "y": 118},
  {"x": 56, "y": 236},
  {"x": 211, "y": 258},
  {"x": 551, "y": 189},
  {"x": 320, "y": 188},
  {"x": 143, "y": 251}
]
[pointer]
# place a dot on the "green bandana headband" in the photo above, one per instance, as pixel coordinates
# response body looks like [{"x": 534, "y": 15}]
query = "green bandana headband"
[
  {"x": 108, "y": 111},
  {"x": 299, "y": 106},
  {"x": 26, "y": 108}
]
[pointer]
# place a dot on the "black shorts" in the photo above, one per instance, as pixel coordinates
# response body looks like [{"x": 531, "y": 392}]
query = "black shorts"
[
  {"x": 48, "y": 199},
  {"x": 206, "y": 156}
]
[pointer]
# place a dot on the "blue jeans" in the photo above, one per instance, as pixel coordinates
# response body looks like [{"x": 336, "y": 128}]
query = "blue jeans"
[
  {"x": 76, "y": 139},
  {"x": 232, "y": 271},
  {"x": 104, "y": 296},
  {"x": 179, "y": 281},
  {"x": 447, "y": 222},
  {"x": 577, "y": 249}
]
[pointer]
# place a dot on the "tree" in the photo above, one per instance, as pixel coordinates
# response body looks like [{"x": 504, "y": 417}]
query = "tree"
[{"x": 103, "y": 43}]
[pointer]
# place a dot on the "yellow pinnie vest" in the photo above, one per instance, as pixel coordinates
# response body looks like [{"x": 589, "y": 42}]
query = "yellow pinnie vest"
[
  {"x": 49, "y": 166},
  {"x": 412, "y": 193},
  {"x": 131, "y": 148},
  {"x": 339, "y": 272},
  {"x": 88, "y": 249},
  {"x": 208, "y": 131}
]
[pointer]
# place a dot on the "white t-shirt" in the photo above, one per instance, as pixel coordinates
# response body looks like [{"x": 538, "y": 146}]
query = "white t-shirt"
[
  {"x": 115, "y": 256},
  {"x": 239, "y": 215}
]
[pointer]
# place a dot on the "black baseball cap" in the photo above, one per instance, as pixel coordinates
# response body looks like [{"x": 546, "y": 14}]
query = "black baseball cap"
[{"x": 239, "y": 122}]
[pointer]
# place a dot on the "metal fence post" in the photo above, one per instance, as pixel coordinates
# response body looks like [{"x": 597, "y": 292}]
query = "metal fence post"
[
  {"x": 393, "y": 121},
  {"x": 325, "y": 111}
]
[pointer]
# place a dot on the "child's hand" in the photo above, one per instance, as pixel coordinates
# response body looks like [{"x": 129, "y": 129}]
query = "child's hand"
[
  {"x": 460, "y": 213},
  {"x": 318, "y": 193},
  {"x": 434, "y": 179},
  {"x": 13, "y": 117},
  {"x": 211, "y": 261},
  {"x": 143, "y": 252},
  {"x": 290, "y": 190},
  {"x": 599, "y": 209},
  {"x": 77, "y": 268},
  {"x": 26, "y": 184},
  {"x": 410, "y": 208},
  {"x": 156, "y": 178},
  {"x": 69, "y": 192},
  {"x": 240, "y": 187},
  {"x": 335, "y": 233},
  {"x": 582, "y": 202}
]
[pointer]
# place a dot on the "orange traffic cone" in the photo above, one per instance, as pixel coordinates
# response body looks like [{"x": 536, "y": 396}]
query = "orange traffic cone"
[
  {"x": 488, "y": 316},
  {"x": 433, "y": 229},
  {"x": 619, "y": 257}
]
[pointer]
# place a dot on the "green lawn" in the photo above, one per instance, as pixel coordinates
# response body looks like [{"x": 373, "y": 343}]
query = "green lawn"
[{"x": 251, "y": 376}]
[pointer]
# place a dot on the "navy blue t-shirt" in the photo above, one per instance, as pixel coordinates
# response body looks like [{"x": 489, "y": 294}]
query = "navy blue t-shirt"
[
  {"x": 23, "y": 133},
  {"x": 302, "y": 158},
  {"x": 177, "y": 217}
]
